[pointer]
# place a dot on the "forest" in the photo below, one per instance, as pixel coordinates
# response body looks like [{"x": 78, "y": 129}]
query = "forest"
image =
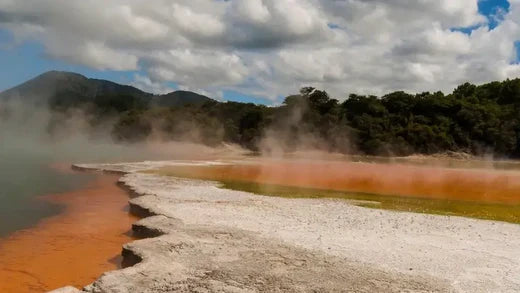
[{"x": 480, "y": 120}]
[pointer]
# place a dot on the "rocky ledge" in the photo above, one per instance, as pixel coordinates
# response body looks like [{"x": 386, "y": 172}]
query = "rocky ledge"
[{"x": 198, "y": 237}]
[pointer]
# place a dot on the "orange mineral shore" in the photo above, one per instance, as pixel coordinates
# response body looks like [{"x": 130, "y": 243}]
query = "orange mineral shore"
[
  {"x": 72, "y": 248},
  {"x": 479, "y": 185}
]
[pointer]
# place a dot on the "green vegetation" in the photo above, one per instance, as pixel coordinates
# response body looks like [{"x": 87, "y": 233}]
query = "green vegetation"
[{"x": 474, "y": 119}]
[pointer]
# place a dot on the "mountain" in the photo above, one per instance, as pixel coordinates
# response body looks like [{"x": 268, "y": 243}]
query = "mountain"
[
  {"x": 71, "y": 88},
  {"x": 179, "y": 98}
]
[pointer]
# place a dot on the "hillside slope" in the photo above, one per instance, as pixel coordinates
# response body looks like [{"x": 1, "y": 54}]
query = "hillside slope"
[{"x": 72, "y": 88}]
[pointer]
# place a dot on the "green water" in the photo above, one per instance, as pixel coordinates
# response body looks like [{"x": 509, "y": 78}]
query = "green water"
[
  {"x": 485, "y": 211},
  {"x": 24, "y": 177}
]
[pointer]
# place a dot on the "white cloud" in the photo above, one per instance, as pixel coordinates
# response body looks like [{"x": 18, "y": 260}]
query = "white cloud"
[
  {"x": 144, "y": 83},
  {"x": 272, "y": 47},
  {"x": 197, "y": 68},
  {"x": 95, "y": 55},
  {"x": 142, "y": 28},
  {"x": 196, "y": 24},
  {"x": 253, "y": 10}
]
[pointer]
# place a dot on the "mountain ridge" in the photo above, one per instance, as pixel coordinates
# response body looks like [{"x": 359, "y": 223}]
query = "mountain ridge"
[{"x": 76, "y": 87}]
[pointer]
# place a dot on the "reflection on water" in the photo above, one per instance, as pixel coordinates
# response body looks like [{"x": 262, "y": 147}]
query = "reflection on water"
[{"x": 474, "y": 192}]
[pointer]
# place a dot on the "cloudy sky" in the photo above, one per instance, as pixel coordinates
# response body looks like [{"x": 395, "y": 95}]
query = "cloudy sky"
[{"x": 262, "y": 50}]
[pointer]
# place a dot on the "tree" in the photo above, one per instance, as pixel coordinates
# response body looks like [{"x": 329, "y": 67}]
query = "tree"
[{"x": 474, "y": 118}]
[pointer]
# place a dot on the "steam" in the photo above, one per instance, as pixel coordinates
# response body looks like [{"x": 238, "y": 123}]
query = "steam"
[
  {"x": 76, "y": 135},
  {"x": 292, "y": 135},
  {"x": 313, "y": 161}
]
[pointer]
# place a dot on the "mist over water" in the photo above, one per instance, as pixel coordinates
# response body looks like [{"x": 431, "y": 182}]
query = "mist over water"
[
  {"x": 35, "y": 162},
  {"x": 34, "y": 140}
]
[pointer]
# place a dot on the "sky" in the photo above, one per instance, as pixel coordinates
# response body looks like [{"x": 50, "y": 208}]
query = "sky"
[{"x": 263, "y": 50}]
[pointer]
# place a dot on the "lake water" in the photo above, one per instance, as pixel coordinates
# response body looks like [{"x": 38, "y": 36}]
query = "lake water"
[
  {"x": 49, "y": 214},
  {"x": 28, "y": 172},
  {"x": 24, "y": 177},
  {"x": 474, "y": 190}
]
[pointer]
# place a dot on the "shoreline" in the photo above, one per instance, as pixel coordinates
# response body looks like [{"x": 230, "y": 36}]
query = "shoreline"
[
  {"x": 58, "y": 251},
  {"x": 248, "y": 236},
  {"x": 479, "y": 185}
]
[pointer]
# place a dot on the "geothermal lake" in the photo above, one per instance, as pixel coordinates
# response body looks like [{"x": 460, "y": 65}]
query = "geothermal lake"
[
  {"x": 49, "y": 215},
  {"x": 438, "y": 253},
  {"x": 32, "y": 167},
  {"x": 478, "y": 189},
  {"x": 25, "y": 177}
]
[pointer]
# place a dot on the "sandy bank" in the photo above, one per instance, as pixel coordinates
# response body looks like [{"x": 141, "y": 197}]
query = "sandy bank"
[{"x": 216, "y": 240}]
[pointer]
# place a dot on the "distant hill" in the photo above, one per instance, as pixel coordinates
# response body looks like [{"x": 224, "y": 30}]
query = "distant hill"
[
  {"x": 179, "y": 98},
  {"x": 72, "y": 88}
]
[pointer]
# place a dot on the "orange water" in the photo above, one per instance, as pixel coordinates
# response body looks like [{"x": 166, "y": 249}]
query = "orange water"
[
  {"x": 73, "y": 248},
  {"x": 481, "y": 185}
]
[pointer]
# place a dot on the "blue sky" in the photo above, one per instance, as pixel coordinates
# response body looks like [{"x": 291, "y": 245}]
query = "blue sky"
[
  {"x": 20, "y": 62},
  {"x": 491, "y": 8}
]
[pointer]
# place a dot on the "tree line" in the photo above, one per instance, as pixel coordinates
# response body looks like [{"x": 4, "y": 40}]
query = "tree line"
[{"x": 482, "y": 119}]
